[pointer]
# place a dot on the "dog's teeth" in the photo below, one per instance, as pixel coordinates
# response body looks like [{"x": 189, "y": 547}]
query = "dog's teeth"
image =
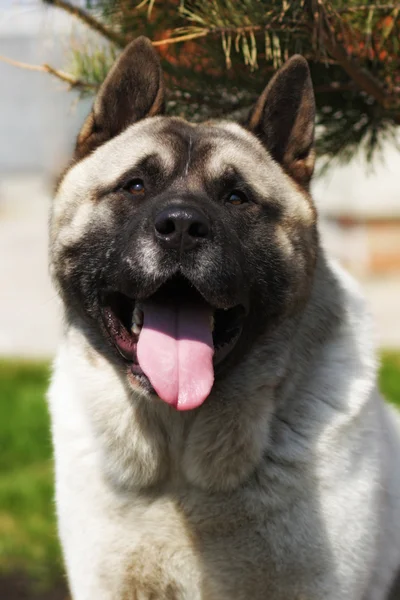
[
  {"x": 137, "y": 317},
  {"x": 137, "y": 320},
  {"x": 136, "y": 329},
  {"x": 212, "y": 323}
]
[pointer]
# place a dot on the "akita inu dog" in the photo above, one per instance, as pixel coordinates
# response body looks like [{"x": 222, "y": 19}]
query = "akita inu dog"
[{"x": 217, "y": 427}]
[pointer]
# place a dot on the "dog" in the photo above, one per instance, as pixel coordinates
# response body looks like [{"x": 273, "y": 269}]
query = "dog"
[{"x": 217, "y": 428}]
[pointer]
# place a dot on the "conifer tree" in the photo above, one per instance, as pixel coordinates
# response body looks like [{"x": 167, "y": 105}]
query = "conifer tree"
[{"x": 219, "y": 54}]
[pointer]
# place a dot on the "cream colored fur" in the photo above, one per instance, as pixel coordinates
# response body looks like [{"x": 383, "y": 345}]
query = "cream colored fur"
[{"x": 285, "y": 485}]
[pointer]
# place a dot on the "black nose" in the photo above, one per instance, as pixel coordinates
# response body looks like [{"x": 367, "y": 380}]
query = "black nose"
[{"x": 181, "y": 227}]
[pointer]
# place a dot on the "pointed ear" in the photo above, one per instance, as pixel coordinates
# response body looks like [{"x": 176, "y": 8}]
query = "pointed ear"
[
  {"x": 132, "y": 90},
  {"x": 283, "y": 119}
]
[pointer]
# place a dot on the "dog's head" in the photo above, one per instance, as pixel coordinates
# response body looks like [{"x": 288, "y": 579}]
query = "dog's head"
[{"x": 179, "y": 244}]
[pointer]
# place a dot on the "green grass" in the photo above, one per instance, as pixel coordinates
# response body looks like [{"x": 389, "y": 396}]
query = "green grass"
[
  {"x": 389, "y": 377},
  {"x": 28, "y": 540}
]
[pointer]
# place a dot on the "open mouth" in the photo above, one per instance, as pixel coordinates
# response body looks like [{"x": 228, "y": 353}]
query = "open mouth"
[{"x": 173, "y": 339}]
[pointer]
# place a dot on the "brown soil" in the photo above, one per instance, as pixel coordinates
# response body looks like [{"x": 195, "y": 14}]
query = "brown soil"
[{"x": 16, "y": 587}]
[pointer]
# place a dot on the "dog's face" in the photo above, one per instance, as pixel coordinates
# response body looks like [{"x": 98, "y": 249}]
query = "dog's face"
[{"x": 179, "y": 244}]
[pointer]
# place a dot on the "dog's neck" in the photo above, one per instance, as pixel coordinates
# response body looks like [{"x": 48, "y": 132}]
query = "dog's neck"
[{"x": 148, "y": 444}]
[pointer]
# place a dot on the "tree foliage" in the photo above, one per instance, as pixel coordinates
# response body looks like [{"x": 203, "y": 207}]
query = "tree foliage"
[{"x": 219, "y": 54}]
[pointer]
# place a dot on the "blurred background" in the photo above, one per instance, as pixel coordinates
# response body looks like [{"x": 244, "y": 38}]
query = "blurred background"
[{"x": 356, "y": 190}]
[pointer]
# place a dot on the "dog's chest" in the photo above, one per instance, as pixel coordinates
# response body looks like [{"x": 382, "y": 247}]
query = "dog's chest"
[
  {"x": 193, "y": 549},
  {"x": 177, "y": 543}
]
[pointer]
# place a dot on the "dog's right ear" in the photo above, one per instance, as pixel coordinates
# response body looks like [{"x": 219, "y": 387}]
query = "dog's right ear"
[{"x": 132, "y": 90}]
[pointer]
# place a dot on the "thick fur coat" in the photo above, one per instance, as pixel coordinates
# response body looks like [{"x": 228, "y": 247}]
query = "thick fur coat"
[{"x": 284, "y": 483}]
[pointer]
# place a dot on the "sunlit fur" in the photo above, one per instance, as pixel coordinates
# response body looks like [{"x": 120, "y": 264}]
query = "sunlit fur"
[{"x": 284, "y": 484}]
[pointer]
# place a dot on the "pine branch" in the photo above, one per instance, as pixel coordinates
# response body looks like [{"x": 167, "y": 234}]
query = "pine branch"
[
  {"x": 363, "y": 78},
  {"x": 235, "y": 31},
  {"x": 182, "y": 38},
  {"x": 72, "y": 81},
  {"x": 367, "y": 7},
  {"x": 360, "y": 76},
  {"x": 90, "y": 21},
  {"x": 357, "y": 98}
]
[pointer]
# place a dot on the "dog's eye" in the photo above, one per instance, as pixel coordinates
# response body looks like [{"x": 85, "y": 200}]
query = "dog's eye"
[
  {"x": 135, "y": 187},
  {"x": 236, "y": 197}
]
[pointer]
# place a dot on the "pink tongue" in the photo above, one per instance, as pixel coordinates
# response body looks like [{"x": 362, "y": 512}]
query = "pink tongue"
[{"x": 175, "y": 351}]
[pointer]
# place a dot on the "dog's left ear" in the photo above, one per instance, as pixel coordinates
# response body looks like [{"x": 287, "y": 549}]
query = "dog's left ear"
[
  {"x": 132, "y": 90},
  {"x": 283, "y": 119}
]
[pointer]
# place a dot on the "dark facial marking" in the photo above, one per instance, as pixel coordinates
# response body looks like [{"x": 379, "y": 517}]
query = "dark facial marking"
[{"x": 183, "y": 229}]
